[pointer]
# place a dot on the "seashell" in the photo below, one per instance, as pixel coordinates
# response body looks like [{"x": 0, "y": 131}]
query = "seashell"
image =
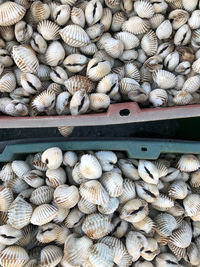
[
  {"x": 49, "y": 30},
  {"x": 165, "y": 49},
  {"x": 50, "y": 256},
  {"x": 106, "y": 19},
  {"x": 144, "y": 9},
  {"x": 44, "y": 101},
  {"x": 165, "y": 224},
  {"x": 147, "y": 225},
  {"x": 195, "y": 179},
  {"x": 6, "y": 198},
  {"x": 94, "y": 192},
  {"x": 136, "y": 25},
  {"x": 73, "y": 218},
  {"x": 7, "y": 82},
  {"x": 113, "y": 183},
  {"x": 78, "y": 16},
  {"x": 37, "y": 162},
  {"x": 164, "y": 31},
  {"x": 95, "y": 32},
  {"x": 89, "y": 49},
  {"x": 79, "y": 103},
  {"x": 164, "y": 79},
  {"x": 99, "y": 101},
  {"x": 182, "y": 98},
  {"x": 166, "y": 259},
  {"x": 183, "y": 68},
  {"x": 135, "y": 241},
  {"x": 127, "y": 6},
  {"x": 188, "y": 163},
  {"x": 143, "y": 263},
  {"x": 195, "y": 40},
  {"x": 129, "y": 40},
  {"x": 19, "y": 213},
  {"x": 138, "y": 94},
  {"x": 129, "y": 55},
  {"x": 75, "y": 62},
  {"x": 42, "y": 195},
  {"x": 117, "y": 21},
  {"x": 17, "y": 185},
  {"x": 5, "y": 58},
  {"x": 9, "y": 235},
  {"x": 134, "y": 210},
  {"x": 128, "y": 191},
  {"x": 113, "y": 47},
  {"x": 58, "y": 75},
  {"x": 11, "y": 13},
  {"x": 132, "y": 71},
  {"x": 148, "y": 171},
  {"x": 90, "y": 167},
  {"x": 97, "y": 69},
  {"x": 156, "y": 20},
  {"x": 149, "y": 43},
  {"x": 86, "y": 207},
  {"x": 178, "y": 190},
  {"x": 16, "y": 108},
  {"x": 76, "y": 249},
  {"x": 181, "y": 237},
  {"x": 110, "y": 207},
  {"x": 191, "y": 85},
  {"x": 66, "y": 196},
  {"x": 182, "y": 36},
  {"x": 195, "y": 66},
  {"x": 75, "y": 83},
  {"x": 154, "y": 63},
  {"x": 65, "y": 130},
  {"x": 108, "y": 85},
  {"x": 20, "y": 167},
  {"x": 74, "y": 35},
  {"x": 70, "y": 158},
  {"x": 53, "y": 157},
  {"x": 3, "y": 217},
  {"x": 43, "y": 214},
  {"x": 30, "y": 83},
  {"x": 179, "y": 17},
  {"x": 191, "y": 204},
  {"x": 13, "y": 256},
  {"x": 47, "y": 233},
  {"x": 61, "y": 14},
  {"x": 120, "y": 253},
  {"x": 34, "y": 178},
  {"x": 150, "y": 252},
  {"x": 38, "y": 44},
  {"x": 31, "y": 263},
  {"x": 62, "y": 103},
  {"x": 25, "y": 58},
  {"x": 163, "y": 203},
  {"x": 103, "y": 56},
  {"x": 127, "y": 84},
  {"x": 159, "y": 6},
  {"x": 193, "y": 254},
  {"x": 93, "y": 12},
  {"x": 158, "y": 97},
  {"x": 55, "y": 54},
  {"x": 55, "y": 177},
  {"x": 100, "y": 255},
  {"x": 6, "y": 173},
  {"x": 27, "y": 235},
  {"x": 189, "y": 6},
  {"x": 39, "y": 11},
  {"x": 148, "y": 192},
  {"x": 23, "y": 32},
  {"x": 172, "y": 60}
]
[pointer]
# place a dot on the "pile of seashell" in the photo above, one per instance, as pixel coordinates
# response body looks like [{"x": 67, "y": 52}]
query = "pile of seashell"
[
  {"x": 100, "y": 209},
  {"x": 75, "y": 56}
]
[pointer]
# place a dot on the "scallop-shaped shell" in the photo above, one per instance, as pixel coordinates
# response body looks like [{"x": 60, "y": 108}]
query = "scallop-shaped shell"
[
  {"x": 31, "y": 263},
  {"x": 6, "y": 173},
  {"x": 151, "y": 250},
  {"x": 66, "y": 196},
  {"x": 17, "y": 185},
  {"x": 78, "y": 16},
  {"x": 11, "y": 13},
  {"x": 136, "y": 25},
  {"x": 78, "y": 82},
  {"x": 23, "y": 32},
  {"x": 55, "y": 54},
  {"x": 146, "y": 191},
  {"x": 27, "y": 235},
  {"x": 73, "y": 218},
  {"x": 55, "y": 177},
  {"x": 13, "y": 256},
  {"x": 117, "y": 21},
  {"x": 97, "y": 69},
  {"x": 50, "y": 256},
  {"x": 188, "y": 163},
  {"x": 113, "y": 47},
  {"x": 19, "y": 213},
  {"x": 191, "y": 204},
  {"x": 49, "y": 30},
  {"x": 42, "y": 195},
  {"x": 195, "y": 66},
  {"x": 94, "y": 192},
  {"x": 113, "y": 183},
  {"x": 39, "y": 11},
  {"x": 100, "y": 255},
  {"x": 148, "y": 171},
  {"x": 149, "y": 43},
  {"x": 147, "y": 225},
  {"x": 25, "y": 58},
  {"x": 182, "y": 98},
  {"x": 90, "y": 167},
  {"x": 86, "y": 206},
  {"x": 127, "y": 84},
  {"x": 189, "y": 6},
  {"x": 192, "y": 84},
  {"x": 165, "y": 79},
  {"x": 129, "y": 40},
  {"x": 182, "y": 236},
  {"x": 158, "y": 97},
  {"x": 195, "y": 179},
  {"x": 132, "y": 71},
  {"x": 37, "y": 162},
  {"x": 7, "y": 82},
  {"x": 110, "y": 207},
  {"x": 6, "y": 198},
  {"x": 164, "y": 31},
  {"x": 97, "y": 225},
  {"x": 34, "y": 178},
  {"x": 75, "y": 36},
  {"x": 93, "y": 12},
  {"x": 163, "y": 259},
  {"x": 89, "y": 50},
  {"x": 163, "y": 203},
  {"x": 53, "y": 157},
  {"x": 156, "y": 20},
  {"x": 44, "y": 102},
  {"x": 47, "y": 233},
  {"x": 165, "y": 224},
  {"x": 20, "y": 167},
  {"x": 107, "y": 159},
  {"x": 43, "y": 214},
  {"x": 61, "y": 14},
  {"x": 178, "y": 190},
  {"x": 128, "y": 191},
  {"x": 108, "y": 85},
  {"x": 144, "y": 9},
  {"x": 99, "y": 101},
  {"x": 179, "y": 17},
  {"x": 106, "y": 19}
]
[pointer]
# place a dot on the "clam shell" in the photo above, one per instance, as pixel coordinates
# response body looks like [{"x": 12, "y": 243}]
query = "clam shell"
[
  {"x": 178, "y": 190},
  {"x": 53, "y": 157},
  {"x": 90, "y": 167},
  {"x": 55, "y": 177},
  {"x": 147, "y": 225},
  {"x": 70, "y": 158},
  {"x": 164, "y": 30},
  {"x": 17, "y": 185},
  {"x": 73, "y": 218},
  {"x": 144, "y": 9},
  {"x": 50, "y": 256},
  {"x": 39, "y": 11},
  {"x": 43, "y": 214},
  {"x": 149, "y": 43},
  {"x": 132, "y": 71},
  {"x": 191, "y": 204},
  {"x": 127, "y": 84},
  {"x": 11, "y": 13},
  {"x": 66, "y": 196},
  {"x": 99, "y": 101},
  {"x": 107, "y": 159},
  {"x": 128, "y": 191},
  {"x": 193, "y": 254},
  {"x": 74, "y": 35},
  {"x": 78, "y": 16},
  {"x": 93, "y": 12},
  {"x": 151, "y": 251},
  {"x": 23, "y": 32},
  {"x": 189, "y": 5},
  {"x": 195, "y": 179},
  {"x": 25, "y": 58},
  {"x": 44, "y": 101},
  {"x": 165, "y": 224},
  {"x": 55, "y": 54},
  {"x": 165, "y": 79},
  {"x": 182, "y": 236},
  {"x": 113, "y": 47},
  {"x": 20, "y": 167},
  {"x": 163, "y": 259},
  {"x": 37, "y": 162},
  {"x": 113, "y": 183},
  {"x": 86, "y": 207},
  {"x": 110, "y": 207},
  {"x": 34, "y": 178},
  {"x": 75, "y": 62},
  {"x": 49, "y": 30},
  {"x": 146, "y": 191},
  {"x": 19, "y": 213},
  {"x": 97, "y": 69},
  {"x": 94, "y": 192},
  {"x": 6, "y": 198},
  {"x": 191, "y": 85},
  {"x": 179, "y": 17},
  {"x": 188, "y": 163},
  {"x": 8, "y": 34},
  {"x": 129, "y": 168},
  {"x": 27, "y": 235},
  {"x": 89, "y": 49},
  {"x": 117, "y": 21},
  {"x": 129, "y": 40},
  {"x": 6, "y": 173},
  {"x": 96, "y": 225},
  {"x": 158, "y": 97},
  {"x": 106, "y": 19},
  {"x": 13, "y": 256},
  {"x": 136, "y": 25},
  {"x": 61, "y": 14},
  {"x": 47, "y": 233},
  {"x": 163, "y": 203},
  {"x": 156, "y": 20},
  {"x": 100, "y": 255},
  {"x": 31, "y": 263},
  {"x": 108, "y": 85},
  {"x": 78, "y": 82},
  {"x": 148, "y": 171},
  {"x": 182, "y": 98},
  {"x": 79, "y": 103}
]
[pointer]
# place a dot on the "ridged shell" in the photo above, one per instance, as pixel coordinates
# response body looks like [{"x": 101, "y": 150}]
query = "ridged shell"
[
  {"x": 192, "y": 84},
  {"x": 113, "y": 183},
  {"x": 78, "y": 82},
  {"x": 164, "y": 30},
  {"x": 110, "y": 207},
  {"x": 195, "y": 179},
  {"x": 34, "y": 178},
  {"x": 78, "y": 16},
  {"x": 182, "y": 98},
  {"x": 113, "y": 47},
  {"x": 97, "y": 69},
  {"x": 6, "y": 198},
  {"x": 163, "y": 203},
  {"x": 117, "y": 21},
  {"x": 188, "y": 163},
  {"x": 66, "y": 196},
  {"x": 148, "y": 171},
  {"x": 39, "y": 11},
  {"x": 19, "y": 213},
  {"x": 149, "y": 43},
  {"x": 6, "y": 173},
  {"x": 43, "y": 214},
  {"x": 55, "y": 177},
  {"x": 147, "y": 225},
  {"x": 90, "y": 167},
  {"x": 55, "y": 54},
  {"x": 192, "y": 204},
  {"x": 75, "y": 36},
  {"x": 99, "y": 101},
  {"x": 128, "y": 191},
  {"x": 73, "y": 218},
  {"x": 96, "y": 225},
  {"x": 101, "y": 255},
  {"x": 146, "y": 191},
  {"x": 165, "y": 79},
  {"x": 182, "y": 236},
  {"x": 178, "y": 190},
  {"x": 136, "y": 25},
  {"x": 50, "y": 256},
  {"x": 14, "y": 256},
  {"x": 53, "y": 157},
  {"x": 144, "y": 9},
  {"x": 189, "y": 5},
  {"x": 47, "y": 233},
  {"x": 37, "y": 162},
  {"x": 70, "y": 158},
  {"x": 158, "y": 97},
  {"x": 25, "y": 58},
  {"x": 11, "y": 13},
  {"x": 86, "y": 206},
  {"x": 49, "y": 30},
  {"x": 7, "y": 82},
  {"x": 165, "y": 224}
]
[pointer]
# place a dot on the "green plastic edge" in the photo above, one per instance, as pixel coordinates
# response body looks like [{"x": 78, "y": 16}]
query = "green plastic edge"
[{"x": 139, "y": 149}]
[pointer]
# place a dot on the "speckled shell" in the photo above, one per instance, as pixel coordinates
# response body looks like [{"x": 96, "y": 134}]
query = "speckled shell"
[
  {"x": 11, "y": 13},
  {"x": 13, "y": 256}
]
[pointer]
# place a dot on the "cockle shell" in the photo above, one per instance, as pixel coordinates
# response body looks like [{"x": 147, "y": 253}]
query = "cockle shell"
[
  {"x": 113, "y": 183},
  {"x": 179, "y": 17},
  {"x": 37, "y": 162},
  {"x": 11, "y": 13},
  {"x": 165, "y": 224},
  {"x": 158, "y": 97},
  {"x": 70, "y": 158},
  {"x": 117, "y": 21},
  {"x": 178, "y": 190},
  {"x": 23, "y": 32},
  {"x": 148, "y": 171},
  {"x": 55, "y": 54},
  {"x": 108, "y": 85},
  {"x": 30, "y": 83},
  {"x": 53, "y": 157},
  {"x": 50, "y": 256},
  {"x": 151, "y": 250},
  {"x": 107, "y": 159},
  {"x": 188, "y": 163},
  {"x": 43, "y": 214},
  {"x": 182, "y": 236},
  {"x": 189, "y": 6},
  {"x": 166, "y": 259},
  {"x": 128, "y": 191},
  {"x": 100, "y": 255},
  {"x": 47, "y": 233},
  {"x": 110, "y": 207},
  {"x": 99, "y": 101},
  {"x": 144, "y": 9},
  {"x": 147, "y": 191},
  {"x": 13, "y": 256},
  {"x": 42, "y": 195},
  {"x": 90, "y": 167},
  {"x": 163, "y": 203},
  {"x": 38, "y": 43},
  {"x": 61, "y": 14},
  {"x": 20, "y": 167},
  {"x": 44, "y": 101},
  {"x": 191, "y": 85},
  {"x": 66, "y": 196},
  {"x": 74, "y": 35},
  {"x": 79, "y": 103},
  {"x": 7, "y": 82},
  {"x": 106, "y": 19},
  {"x": 86, "y": 206},
  {"x": 39, "y": 11},
  {"x": 78, "y": 16},
  {"x": 75, "y": 62},
  {"x": 6, "y": 198},
  {"x": 34, "y": 178},
  {"x": 25, "y": 58},
  {"x": 9, "y": 235},
  {"x": 17, "y": 185},
  {"x": 164, "y": 30},
  {"x": 6, "y": 173},
  {"x": 78, "y": 82},
  {"x": 73, "y": 218},
  {"x": 191, "y": 204},
  {"x": 49, "y": 30},
  {"x": 182, "y": 98},
  {"x": 55, "y": 177},
  {"x": 165, "y": 79},
  {"x": 97, "y": 69},
  {"x": 136, "y": 25},
  {"x": 147, "y": 225},
  {"x": 113, "y": 47},
  {"x": 93, "y": 12}
]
